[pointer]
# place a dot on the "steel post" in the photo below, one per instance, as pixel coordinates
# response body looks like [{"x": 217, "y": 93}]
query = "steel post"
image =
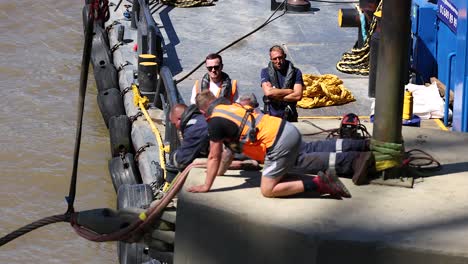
[
  {"x": 392, "y": 70},
  {"x": 392, "y": 75}
]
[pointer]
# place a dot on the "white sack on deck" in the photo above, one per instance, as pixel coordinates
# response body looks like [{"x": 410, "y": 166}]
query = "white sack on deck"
[{"x": 427, "y": 102}]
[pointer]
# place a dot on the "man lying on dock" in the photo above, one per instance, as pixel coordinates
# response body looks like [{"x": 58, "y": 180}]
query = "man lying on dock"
[
  {"x": 278, "y": 144},
  {"x": 195, "y": 142}
]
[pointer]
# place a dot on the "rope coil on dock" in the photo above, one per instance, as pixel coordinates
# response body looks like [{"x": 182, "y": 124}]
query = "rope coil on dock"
[
  {"x": 324, "y": 90},
  {"x": 356, "y": 61},
  {"x": 187, "y": 3}
]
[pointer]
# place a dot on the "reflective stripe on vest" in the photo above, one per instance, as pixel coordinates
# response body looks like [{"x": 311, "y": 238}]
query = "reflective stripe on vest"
[
  {"x": 339, "y": 145},
  {"x": 248, "y": 125},
  {"x": 332, "y": 162},
  {"x": 267, "y": 126}
]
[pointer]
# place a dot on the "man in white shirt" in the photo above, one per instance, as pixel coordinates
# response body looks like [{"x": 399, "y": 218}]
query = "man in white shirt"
[{"x": 217, "y": 81}]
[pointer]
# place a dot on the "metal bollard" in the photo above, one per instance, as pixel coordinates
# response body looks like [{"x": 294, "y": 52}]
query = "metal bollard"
[{"x": 147, "y": 79}]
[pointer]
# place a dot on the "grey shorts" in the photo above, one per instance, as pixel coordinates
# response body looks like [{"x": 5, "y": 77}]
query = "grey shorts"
[{"x": 282, "y": 157}]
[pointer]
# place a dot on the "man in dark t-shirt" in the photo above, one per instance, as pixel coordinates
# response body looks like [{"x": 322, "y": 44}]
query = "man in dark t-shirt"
[
  {"x": 282, "y": 86},
  {"x": 195, "y": 142}
]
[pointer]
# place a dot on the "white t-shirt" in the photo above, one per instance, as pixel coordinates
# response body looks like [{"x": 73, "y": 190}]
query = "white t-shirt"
[{"x": 215, "y": 89}]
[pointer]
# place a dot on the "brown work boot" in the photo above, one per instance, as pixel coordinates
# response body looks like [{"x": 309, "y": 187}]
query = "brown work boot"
[
  {"x": 328, "y": 183},
  {"x": 361, "y": 165}
]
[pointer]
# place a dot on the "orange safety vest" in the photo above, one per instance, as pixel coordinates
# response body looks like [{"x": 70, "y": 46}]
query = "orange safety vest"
[
  {"x": 233, "y": 90},
  {"x": 266, "y": 128}
]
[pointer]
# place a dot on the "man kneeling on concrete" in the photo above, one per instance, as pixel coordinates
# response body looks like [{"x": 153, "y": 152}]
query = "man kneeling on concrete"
[
  {"x": 195, "y": 144},
  {"x": 279, "y": 145}
]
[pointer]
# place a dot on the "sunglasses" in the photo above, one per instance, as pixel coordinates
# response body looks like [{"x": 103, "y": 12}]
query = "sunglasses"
[{"x": 216, "y": 67}]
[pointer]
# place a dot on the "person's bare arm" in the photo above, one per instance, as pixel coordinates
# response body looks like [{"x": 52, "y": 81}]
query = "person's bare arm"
[
  {"x": 275, "y": 93},
  {"x": 212, "y": 167},
  {"x": 226, "y": 160},
  {"x": 296, "y": 95}
]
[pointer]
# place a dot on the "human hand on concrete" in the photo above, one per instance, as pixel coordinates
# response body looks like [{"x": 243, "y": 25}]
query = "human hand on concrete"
[{"x": 199, "y": 189}]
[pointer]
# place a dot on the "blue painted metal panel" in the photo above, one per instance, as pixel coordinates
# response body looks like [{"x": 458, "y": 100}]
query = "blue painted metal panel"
[
  {"x": 439, "y": 48},
  {"x": 446, "y": 59},
  {"x": 446, "y": 48},
  {"x": 424, "y": 39},
  {"x": 460, "y": 106}
]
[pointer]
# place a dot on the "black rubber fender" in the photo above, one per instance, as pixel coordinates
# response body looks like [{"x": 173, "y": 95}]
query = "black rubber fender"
[
  {"x": 101, "y": 55},
  {"x": 123, "y": 171},
  {"x": 136, "y": 195},
  {"x": 106, "y": 77},
  {"x": 111, "y": 104},
  {"x": 120, "y": 135}
]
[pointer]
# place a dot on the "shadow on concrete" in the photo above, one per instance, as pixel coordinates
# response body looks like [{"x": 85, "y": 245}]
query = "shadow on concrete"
[
  {"x": 252, "y": 181},
  {"x": 445, "y": 169},
  {"x": 172, "y": 58}
]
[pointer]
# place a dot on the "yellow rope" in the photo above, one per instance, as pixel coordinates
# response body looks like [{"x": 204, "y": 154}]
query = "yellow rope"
[
  {"x": 323, "y": 90},
  {"x": 142, "y": 103}
]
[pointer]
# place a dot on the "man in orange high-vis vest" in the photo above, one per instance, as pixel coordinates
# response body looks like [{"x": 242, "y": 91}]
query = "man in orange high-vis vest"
[
  {"x": 268, "y": 139},
  {"x": 195, "y": 143},
  {"x": 215, "y": 80}
]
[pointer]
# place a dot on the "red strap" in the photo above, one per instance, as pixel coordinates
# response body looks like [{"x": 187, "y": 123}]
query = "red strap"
[{"x": 100, "y": 10}]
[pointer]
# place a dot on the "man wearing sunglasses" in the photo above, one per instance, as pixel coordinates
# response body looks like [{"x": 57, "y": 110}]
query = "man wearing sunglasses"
[
  {"x": 215, "y": 80},
  {"x": 282, "y": 86}
]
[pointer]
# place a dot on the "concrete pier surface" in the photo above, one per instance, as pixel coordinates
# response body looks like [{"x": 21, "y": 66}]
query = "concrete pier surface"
[
  {"x": 428, "y": 223},
  {"x": 233, "y": 223}
]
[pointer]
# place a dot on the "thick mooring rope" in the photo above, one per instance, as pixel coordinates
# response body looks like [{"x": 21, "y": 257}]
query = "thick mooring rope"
[
  {"x": 356, "y": 61},
  {"x": 32, "y": 226},
  {"x": 187, "y": 3}
]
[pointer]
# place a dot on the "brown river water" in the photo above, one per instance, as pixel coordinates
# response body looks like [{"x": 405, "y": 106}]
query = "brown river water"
[{"x": 40, "y": 52}]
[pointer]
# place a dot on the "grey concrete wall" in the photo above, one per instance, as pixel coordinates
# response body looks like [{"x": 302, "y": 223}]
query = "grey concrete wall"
[{"x": 212, "y": 235}]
